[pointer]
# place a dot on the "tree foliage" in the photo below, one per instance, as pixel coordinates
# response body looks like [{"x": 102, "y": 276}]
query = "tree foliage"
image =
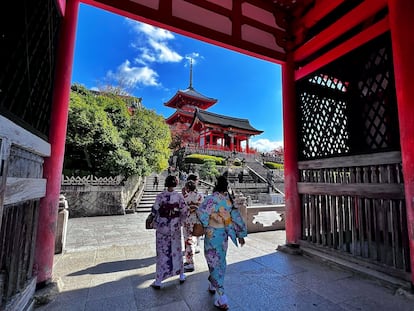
[
  {"x": 208, "y": 170},
  {"x": 148, "y": 137},
  {"x": 104, "y": 139}
]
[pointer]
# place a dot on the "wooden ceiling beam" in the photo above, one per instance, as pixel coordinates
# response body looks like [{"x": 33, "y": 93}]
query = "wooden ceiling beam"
[
  {"x": 209, "y": 6},
  {"x": 163, "y": 18},
  {"x": 237, "y": 18},
  {"x": 341, "y": 26},
  {"x": 344, "y": 48},
  {"x": 320, "y": 10}
]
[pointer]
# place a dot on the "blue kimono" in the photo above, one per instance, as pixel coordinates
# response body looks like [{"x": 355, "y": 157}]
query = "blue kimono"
[{"x": 219, "y": 208}]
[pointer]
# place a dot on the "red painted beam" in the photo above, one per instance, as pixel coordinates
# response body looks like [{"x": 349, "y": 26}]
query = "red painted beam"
[
  {"x": 218, "y": 9},
  {"x": 236, "y": 19},
  {"x": 52, "y": 170},
  {"x": 349, "y": 45},
  {"x": 164, "y": 19},
  {"x": 401, "y": 25},
  {"x": 341, "y": 26},
  {"x": 292, "y": 202},
  {"x": 319, "y": 11},
  {"x": 314, "y": 15}
]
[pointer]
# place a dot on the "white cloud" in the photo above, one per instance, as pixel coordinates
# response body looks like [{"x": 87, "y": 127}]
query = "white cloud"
[
  {"x": 163, "y": 53},
  {"x": 152, "y": 32},
  {"x": 194, "y": 56},
  {"x": 132, "y": 76},
  {"x": 146, "y": 56},
  {"x": 265, "y": 145},
  {"x": 152, "y": 43}
]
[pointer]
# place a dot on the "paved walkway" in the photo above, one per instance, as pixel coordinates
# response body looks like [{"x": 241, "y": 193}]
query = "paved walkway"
[{"x": 109, "y": 265}]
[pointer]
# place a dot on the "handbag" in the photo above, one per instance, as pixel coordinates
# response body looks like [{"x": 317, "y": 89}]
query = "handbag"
[
  {"x": 149, "y": 222},
  {"x": 198, "y": 229}
]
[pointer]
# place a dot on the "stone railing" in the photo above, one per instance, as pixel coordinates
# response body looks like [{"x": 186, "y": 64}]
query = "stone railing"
[
  {"x": 93, "y": 196},
  {"x": 260, "y": 218},
  {"x": 91, "y": 180},
  {"x": 265, "y": 218}
]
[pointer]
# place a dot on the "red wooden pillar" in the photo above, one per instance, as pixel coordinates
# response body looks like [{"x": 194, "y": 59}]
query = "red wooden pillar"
[
  {"x": 45, "y": 243},
  {"x": 232, "y": 142},
  {"x": 247, "y": 145},
  {"x": 401, "y": 17},
  {"x": 293, "y": 208}
]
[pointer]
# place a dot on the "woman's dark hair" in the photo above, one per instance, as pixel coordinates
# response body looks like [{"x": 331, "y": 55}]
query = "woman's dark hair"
[
  {"x": 191, "y": 185},
  {"x": 221, "y": 184},
  {"x": 171, "y": 181},
  {"x": 192, "y": 176}
]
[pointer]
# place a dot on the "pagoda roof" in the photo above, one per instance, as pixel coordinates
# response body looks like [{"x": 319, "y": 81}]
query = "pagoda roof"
[
  {"x": 223, "y": 121},
  {"x": 179, "y": 113},
  {"x": 190, "y": 96}
]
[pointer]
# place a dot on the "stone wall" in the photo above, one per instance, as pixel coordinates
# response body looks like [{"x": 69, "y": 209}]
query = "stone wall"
[
  {"x": 260, "y": 218},
  {"x": 91, "y": 196}
]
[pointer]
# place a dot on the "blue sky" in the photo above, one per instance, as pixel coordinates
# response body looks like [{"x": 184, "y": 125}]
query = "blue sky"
[{"x": 111, "y": 49}]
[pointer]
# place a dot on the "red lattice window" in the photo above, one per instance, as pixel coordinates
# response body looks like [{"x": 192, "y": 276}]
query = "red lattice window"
[{"x": 349, "y": 106}]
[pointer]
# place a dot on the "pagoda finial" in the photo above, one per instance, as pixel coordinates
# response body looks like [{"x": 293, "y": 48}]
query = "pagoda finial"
[{"x": 191, "y": 73}]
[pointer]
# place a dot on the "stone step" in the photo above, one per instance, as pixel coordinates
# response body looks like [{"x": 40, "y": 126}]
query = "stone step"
[
  {"x": 146, "y": 202},
  {"x": 143, "y": 210}
]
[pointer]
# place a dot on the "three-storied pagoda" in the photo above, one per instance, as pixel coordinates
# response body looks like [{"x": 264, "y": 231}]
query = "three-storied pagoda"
[{"x": 196, "y": 126}]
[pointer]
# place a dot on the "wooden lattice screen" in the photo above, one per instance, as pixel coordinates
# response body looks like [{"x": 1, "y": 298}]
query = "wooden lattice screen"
[
  {"x": 349, "y": 106},
  {"x": 351, "y": 183},
  {"x": 28, "y": 45}
]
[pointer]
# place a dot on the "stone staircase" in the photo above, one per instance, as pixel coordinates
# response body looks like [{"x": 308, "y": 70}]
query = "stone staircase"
[
  {"x": 258, "y": 169},
  {"x": 275, "y": 177},
  {"x": 149, "y": 194},
  {"x": 144, "y": 204}
]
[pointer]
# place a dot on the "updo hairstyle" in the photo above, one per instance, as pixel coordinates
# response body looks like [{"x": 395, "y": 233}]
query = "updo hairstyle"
[
  {"x": 171, "y": 181},
  {"x": 221, "y": 184},
  {"x": 191, "y": 185}
]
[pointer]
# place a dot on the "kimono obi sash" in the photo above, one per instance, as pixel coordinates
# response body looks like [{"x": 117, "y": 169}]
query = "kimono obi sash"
[
  {"x": 193, "y": 206},
  {"x": 169, "y": 210}
]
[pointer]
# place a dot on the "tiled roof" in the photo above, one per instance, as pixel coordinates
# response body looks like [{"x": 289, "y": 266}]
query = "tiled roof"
[
  {"x": 192, "y": 92},
  {"x": 225, "y": 121},
  {"x": 179, "y": 112}
]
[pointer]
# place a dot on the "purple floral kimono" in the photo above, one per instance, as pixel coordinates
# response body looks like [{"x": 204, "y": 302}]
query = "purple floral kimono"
[
  {"x": 219, "y": 206},
  {"x": 170, "y": 212}
]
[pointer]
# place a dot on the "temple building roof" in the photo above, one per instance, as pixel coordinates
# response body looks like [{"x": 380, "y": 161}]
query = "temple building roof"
[
  {"x": 190, "y": 97},
  {"x": 180, "y": 116},
  {"x": 223, "y": 121}
]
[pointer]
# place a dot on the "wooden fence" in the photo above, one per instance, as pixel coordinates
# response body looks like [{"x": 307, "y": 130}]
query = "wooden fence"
[
  {"x": 356, "y": 205},
  {"x": 21, "y": 186}
]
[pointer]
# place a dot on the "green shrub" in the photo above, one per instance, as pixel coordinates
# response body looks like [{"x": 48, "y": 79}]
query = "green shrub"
[
  {"x": 273, "y": 165},
  {"x": 237, "y": 162},
  {"x": 202, "y": 158}
]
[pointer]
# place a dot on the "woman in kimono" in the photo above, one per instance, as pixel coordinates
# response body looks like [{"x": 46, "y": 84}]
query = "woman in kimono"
[
  {"x": 170, "y": 211},
  {"x": 193, "y": 200},
  {"x": 221, "y": 220},
  {"x": 184, "y": 190}
]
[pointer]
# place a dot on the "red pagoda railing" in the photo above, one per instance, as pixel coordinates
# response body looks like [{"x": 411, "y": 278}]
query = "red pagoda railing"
[{"x": 221, "y": 151}]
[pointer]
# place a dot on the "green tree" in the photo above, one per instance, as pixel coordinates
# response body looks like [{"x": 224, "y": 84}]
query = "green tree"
[
  {"x": 115, "y": 108},
  {"x": 91, "y": 135},
  {"x": 104, "y": 139},
  {"x": 149, "y": 138},
  {"x": 208, "y": 170}
]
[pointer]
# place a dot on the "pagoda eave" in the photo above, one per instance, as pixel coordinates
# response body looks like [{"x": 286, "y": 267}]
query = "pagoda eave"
[
  {"x": 181, "y": 99},
  {"x": 237, "y": 131}
]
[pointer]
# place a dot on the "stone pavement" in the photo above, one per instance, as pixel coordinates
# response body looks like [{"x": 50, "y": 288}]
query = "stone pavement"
[{"x": 109, "y": 264}]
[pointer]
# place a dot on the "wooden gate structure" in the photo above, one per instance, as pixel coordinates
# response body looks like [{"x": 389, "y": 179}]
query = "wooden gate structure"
[{"x": 347, "y": 109}]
